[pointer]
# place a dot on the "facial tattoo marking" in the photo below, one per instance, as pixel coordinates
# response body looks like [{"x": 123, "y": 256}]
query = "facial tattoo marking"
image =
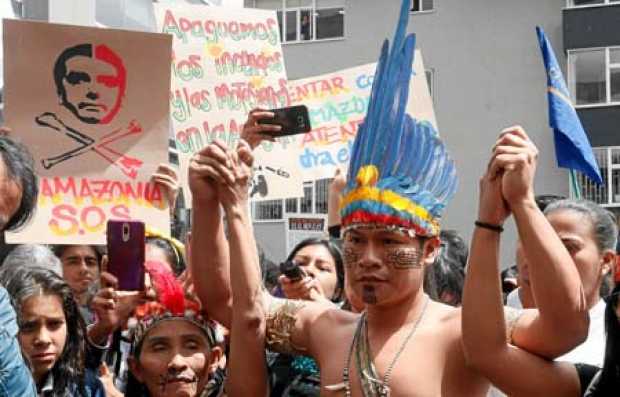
[
  {"x": 403, "y": 258},
  {"x": 350, "y": 257},
  {"x": 369, "y": 295}
]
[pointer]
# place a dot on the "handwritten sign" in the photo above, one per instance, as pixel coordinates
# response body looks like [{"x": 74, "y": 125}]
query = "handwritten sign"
[
  {"x": 337, "y": 104},
  {"x": 226, "y": 62},
  {"x": 92, "y": 106}
]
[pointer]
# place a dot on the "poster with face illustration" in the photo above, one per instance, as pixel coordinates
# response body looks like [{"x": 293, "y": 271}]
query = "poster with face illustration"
[{"x": 92, "y": 106}]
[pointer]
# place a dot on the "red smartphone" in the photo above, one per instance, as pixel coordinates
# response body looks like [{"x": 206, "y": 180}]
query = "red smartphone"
[
  {"x": 126, "y": 254},
  {"x": 294, "y": 120}
]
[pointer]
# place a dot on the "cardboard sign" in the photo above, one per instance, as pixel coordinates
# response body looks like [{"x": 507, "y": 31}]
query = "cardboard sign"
[
  {"x": 226, "y": 62},
  {"x": 337, "y": 104},
  {"x": 92, "y": 106}
]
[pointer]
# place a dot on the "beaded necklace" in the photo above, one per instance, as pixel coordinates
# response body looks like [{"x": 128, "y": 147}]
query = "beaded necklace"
[{"x": 360, "y": 345}]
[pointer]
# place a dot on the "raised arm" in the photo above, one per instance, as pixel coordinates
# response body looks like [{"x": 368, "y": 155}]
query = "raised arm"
[
  {"x": 561, "y": 321},
  {"x": 209, "y": 260},
  {"x": 486, "y": 329},
  {"x": 247, "y": 369},
  {"x": 210, "y": 263}
]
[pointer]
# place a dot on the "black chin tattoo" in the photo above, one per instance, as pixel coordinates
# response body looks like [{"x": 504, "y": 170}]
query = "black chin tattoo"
[{"x": 369, "y": 294}]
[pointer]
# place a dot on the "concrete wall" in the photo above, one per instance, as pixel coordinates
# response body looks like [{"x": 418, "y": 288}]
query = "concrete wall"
[{"x": 488, "y": 76}]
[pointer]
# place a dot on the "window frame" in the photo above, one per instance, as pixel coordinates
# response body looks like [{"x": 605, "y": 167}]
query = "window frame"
[
  {"x": 608, "y": 66},
  {"x": 422, "y": 10},
  {"x": 570, "y": 5},
  {"x": 590, "y": 190},
  {"x": 313, "y": 10}
]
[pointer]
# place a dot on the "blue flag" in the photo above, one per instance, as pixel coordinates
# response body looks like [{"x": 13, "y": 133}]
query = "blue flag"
[{"x": 572, "y": 147}]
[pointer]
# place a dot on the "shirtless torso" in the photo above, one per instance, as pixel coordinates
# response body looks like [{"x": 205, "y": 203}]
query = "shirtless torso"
[{"x": 432, "y": 362}]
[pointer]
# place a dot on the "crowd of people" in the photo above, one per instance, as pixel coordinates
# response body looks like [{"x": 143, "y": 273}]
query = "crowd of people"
[{"x": 385, "y": 304}]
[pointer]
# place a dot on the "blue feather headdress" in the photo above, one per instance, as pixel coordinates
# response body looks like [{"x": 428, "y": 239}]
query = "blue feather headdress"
[{"x": 400, "y": 173}]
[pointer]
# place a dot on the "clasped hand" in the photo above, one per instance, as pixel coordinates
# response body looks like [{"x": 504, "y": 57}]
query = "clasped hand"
[
  {"x": 509, "y": 177},
  {"x": 219, "y": 173}
]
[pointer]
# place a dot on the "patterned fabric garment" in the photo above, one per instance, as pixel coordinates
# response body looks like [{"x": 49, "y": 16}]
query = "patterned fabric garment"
[{"x": 293, "y": 376}]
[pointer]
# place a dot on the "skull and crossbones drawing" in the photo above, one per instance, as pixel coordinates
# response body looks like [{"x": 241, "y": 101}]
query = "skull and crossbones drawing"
[{"x": 91, "y": 82}]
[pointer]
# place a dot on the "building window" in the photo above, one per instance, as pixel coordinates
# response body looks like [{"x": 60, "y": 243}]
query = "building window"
[
  {"x": 305, "y": 205},
  {"x": 269, "y": 210},
  {"x": 586, "y": 3},
  {"x": 594, "y": 76},
  {"x": 291, "y": 205},
  {"x": 321, "y": 195},
  {"x": 422, "y": 5},
  {"x": 307, "y": 20},
  {"x": 607, "y": 194}
]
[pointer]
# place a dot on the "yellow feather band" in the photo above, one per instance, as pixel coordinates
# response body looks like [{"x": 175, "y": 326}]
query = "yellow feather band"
[
  {"x": 387, "y": 197},
  {"x": 367, "y": 178}
]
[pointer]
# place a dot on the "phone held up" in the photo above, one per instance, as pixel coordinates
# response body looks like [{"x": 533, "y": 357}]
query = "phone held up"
[
  {"x": 293, "y": 120},
  {"x": 292, "y": 270},
  {"x": 126, "y": 254}
]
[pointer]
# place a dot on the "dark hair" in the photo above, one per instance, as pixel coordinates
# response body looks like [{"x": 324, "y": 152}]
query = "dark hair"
[
  {"x": 603, "y": 221},
  {"x": 20, "y": 169},
  {"x": 60, "y": 249},
  {"x": 610, "y": 377},
  {"x": 60, "y": 67},
  {"x": 543, "y": 200},
  {"x": 334, "y": 251},
  {"x": 447, "y": 274},
  {"x": 173, "y": 256},
  {"x": 510, "y": 272},
  {"x": 23, "y": 283}
]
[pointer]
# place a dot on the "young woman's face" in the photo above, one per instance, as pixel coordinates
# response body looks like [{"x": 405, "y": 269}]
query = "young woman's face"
[
  {"x": 318, "y": 263},
  {"x": 175, "y": 360},
  {"x": 43, "y": 332},
  {"x": 80, "y": 267},
  {"x": 577, "y": 233}
]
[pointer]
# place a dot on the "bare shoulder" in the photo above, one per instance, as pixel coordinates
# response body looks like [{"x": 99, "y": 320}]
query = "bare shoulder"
[{"x": 445, "y": 316}]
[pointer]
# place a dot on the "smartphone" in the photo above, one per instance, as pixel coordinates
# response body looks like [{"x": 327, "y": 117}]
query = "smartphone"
[
  {"x": 292, "y": 270},
  {"x": 126, "y": 254},
  {"x": 294, "y": 120}
]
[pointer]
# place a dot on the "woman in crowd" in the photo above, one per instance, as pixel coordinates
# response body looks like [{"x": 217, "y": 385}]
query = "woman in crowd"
[
  {"x": 443, "y": 281},
  {"x": 81, "y": 265},
  {"x": 173, "y": 348},
  {"x": 589, "y": 234},
  {"x": 165, "y": 249},
  {"x": 323, "y": 274},
  {"x": 51, "y": 333}
]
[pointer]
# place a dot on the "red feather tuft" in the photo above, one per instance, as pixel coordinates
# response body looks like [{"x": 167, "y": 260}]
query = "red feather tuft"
[{"x": 169, "y": 290}]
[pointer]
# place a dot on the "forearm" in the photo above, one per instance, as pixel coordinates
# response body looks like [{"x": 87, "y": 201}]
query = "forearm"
[
  {"x": 484, "y": 332},
  {"x": 562, "y": 309},
  {"x": 247, "y": 366},
  {"x": 333, "y": 208},
  {"x": 209, "y": 262}
]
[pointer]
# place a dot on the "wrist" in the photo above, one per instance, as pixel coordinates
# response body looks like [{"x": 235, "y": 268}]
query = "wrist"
[
  {"x": 524, "y": 206},
  {"x": 99, "y": 332},
  {"x": 492, "y": 227},
  {"x": 236, "y": 210},
  {"x": 206, "y": 203}
]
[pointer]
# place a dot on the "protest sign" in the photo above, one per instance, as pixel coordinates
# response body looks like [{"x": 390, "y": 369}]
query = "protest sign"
[
  {"x": 337, "y": 104},
  {"x": 92, "y": 106},
  {"x": 226, "y": 62}
]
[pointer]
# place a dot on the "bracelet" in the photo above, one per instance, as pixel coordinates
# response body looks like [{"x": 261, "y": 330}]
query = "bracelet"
[{"x": 489, "y": 226}]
